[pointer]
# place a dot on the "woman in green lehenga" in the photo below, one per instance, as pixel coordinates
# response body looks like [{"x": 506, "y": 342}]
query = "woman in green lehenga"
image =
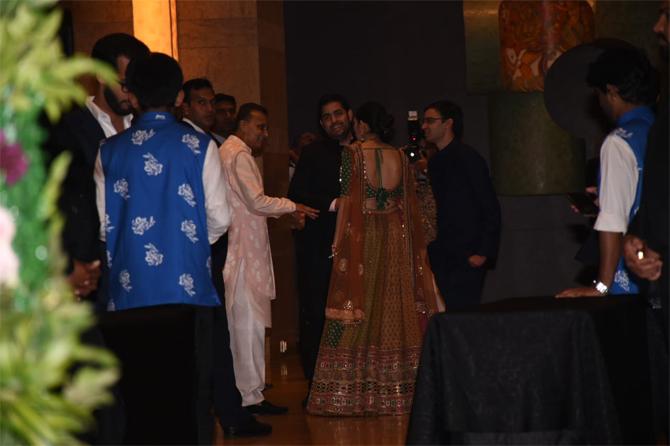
[{"x": 381, "y": 289}]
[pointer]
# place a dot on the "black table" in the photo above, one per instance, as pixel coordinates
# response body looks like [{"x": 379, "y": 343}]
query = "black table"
[{"x": 535, "y": 371}]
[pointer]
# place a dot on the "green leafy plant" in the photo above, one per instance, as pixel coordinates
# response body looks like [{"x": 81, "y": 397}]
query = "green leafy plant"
[{"x": 42, "y": 399}]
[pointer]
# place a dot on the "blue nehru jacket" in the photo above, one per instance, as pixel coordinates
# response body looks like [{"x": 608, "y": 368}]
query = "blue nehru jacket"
[
  {"x": 633, "y": 127},
  {"x": 156, "y": 225}
]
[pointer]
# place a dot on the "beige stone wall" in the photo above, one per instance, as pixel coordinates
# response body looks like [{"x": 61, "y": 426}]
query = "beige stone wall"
[
  {"x": 94, "y": 19},
  {"x": 219, "y": 40}
]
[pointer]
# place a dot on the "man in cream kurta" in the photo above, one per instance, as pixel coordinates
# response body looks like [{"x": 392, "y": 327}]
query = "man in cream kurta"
[{"x": 248, "y": 273}]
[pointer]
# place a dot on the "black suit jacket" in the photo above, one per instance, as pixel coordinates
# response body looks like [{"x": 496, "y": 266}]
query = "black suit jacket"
[
  {"x": 468, "y": 212},
  {"x": 316, "y": 183},
  {"x": 651, "y": 221},
  {"x": 79, "y": 133}
]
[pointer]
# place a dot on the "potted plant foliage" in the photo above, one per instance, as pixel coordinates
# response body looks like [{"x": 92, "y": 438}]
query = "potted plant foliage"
[{"x": 43, "y": 399}]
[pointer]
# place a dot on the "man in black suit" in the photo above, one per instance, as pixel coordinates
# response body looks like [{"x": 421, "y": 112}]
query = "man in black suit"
[
  {"x": 213, "y": 335},
  {"x": 80, "y": 132},
  {"x": 646, "y": 243},
  {"x": 468, "y": 213},
  {"x": 316, "y": 183}
]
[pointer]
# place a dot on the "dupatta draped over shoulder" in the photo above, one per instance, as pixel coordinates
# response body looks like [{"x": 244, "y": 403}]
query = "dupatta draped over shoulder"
[{"x": 346, "y": 292}]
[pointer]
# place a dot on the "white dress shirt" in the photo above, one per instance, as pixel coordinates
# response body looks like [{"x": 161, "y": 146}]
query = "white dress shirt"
[
  {"x": 104, "y": 119},
  {"x": 618, "y": 184},
  {"x": 215, "y": 189}
]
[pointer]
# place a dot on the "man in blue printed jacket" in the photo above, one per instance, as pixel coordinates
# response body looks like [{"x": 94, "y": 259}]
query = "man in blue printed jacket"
[
  {"x": 626, "y": 84},
  {"x": 162, "y": 200}
]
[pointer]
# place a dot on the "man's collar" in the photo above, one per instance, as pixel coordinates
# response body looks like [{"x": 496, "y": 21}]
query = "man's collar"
[
  {"x": 453, "y": 139},
  {"x": 346, "y": 142},
  {"x": 218, "y": 138},
  {"x": 641, "y": 111},
  {"x": 239, "y": 141},
  {"x": 104, "y": 120},
  {"x": 152, "y": 116},
  {"x": 101, "y": 115},
  {"x": 194, "y": 125},
  {"x": 336, "y": 142}
]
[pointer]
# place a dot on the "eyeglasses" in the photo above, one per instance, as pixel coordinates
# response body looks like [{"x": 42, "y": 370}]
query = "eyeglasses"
[{"x": 431, "y": 121}]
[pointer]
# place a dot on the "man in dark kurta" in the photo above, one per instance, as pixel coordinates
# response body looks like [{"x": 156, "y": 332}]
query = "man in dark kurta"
[
  {"x": 316, "y": 183},
  {"x": 468, "y": 213}
]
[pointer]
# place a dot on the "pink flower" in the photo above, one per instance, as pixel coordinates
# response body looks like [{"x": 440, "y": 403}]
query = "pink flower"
[
  {"x": 13, "y": 162},
  {"x": 9, "y": 262}
]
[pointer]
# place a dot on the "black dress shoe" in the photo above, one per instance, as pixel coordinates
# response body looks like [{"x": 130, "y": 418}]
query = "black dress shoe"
[
  {"x": 266, "y": 408},
  {"x": 251, "y": 428}
]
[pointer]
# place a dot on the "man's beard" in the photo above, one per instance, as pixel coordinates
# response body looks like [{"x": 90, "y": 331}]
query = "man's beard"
[
  {"x": 341, "y": 135},
  {"x": 121, "y": 108}
]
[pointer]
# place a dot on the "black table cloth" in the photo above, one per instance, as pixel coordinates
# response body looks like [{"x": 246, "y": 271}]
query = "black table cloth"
[{"x": 535, "y": 371}]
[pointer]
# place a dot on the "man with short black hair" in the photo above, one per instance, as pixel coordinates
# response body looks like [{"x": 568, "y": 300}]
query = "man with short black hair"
[
  {"x": 224, "y": 121},
  {"x": 626, "y": 85},
  {"x": 235, "y": 421},
  {"x": 248, "y": 274},
  {"x": 198, "y": 107},
  {"x": 162, "y": 200},
  {"x": 468, "y": 213},
  {"x": 316, "y": 182},
  {"x": 80, "y": 131}
]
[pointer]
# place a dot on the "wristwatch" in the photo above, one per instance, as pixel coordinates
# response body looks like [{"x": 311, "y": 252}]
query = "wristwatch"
[{"x": 601, "y": 287}]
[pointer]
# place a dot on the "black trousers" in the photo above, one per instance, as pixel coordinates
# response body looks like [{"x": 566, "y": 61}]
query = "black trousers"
[
  {"x": 313, "y": 268},
  {"x": 460, "y": 285},
  {"x": 177, "y": 366},
  {"x": 158, "y": 373},
  {"x": 109, "y": 426},
  {"x": 213, "y": 329}
]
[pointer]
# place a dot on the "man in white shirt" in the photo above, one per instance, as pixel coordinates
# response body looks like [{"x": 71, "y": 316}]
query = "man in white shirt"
[
  {"x": 198, "y": 113},
  {"x": 626, "y": 84},
  {"x": 80, "y": 131},
  {"x": 248, "y": 274},
  {"x": 162, "y": 199},
  {"x": 198, "y": 107}
]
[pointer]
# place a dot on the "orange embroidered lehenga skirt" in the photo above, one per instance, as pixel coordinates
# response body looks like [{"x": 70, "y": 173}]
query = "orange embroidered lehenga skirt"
[{"x": 369, "y": 367}]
